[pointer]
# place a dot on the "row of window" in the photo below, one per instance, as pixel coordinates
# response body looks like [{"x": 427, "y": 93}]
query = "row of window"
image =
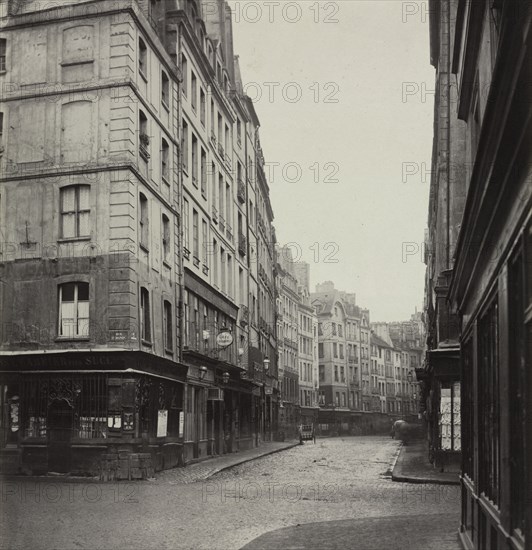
[
  {"x": 143, "y": 70},
  {"x": 74, "y": 319},
  {"x": 305, "y": 371},
  {"x": 202, "y": 323},
  {"x": 338, "y": 351},
  {"x": 75, "y": 217}
]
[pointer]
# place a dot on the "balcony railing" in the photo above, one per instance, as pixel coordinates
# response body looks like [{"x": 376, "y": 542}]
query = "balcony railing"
[
  {"x": 229, "y": 232},
  {"x": 144, "y": 143},
  {"x": 221, "y": 150},
  {"x": 244, "y": 315},
  {"x": 214, "y": 214}
]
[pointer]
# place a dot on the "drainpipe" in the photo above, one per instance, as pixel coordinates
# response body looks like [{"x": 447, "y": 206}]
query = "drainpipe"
[{"x": 448, "y": 160}]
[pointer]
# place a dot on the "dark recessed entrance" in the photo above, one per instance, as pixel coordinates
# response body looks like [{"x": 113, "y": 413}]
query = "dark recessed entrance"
[{"x": 60, "y": 416}]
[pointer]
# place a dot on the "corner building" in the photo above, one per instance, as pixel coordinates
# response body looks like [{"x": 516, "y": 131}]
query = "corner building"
[{"x": 89, "y": 351}]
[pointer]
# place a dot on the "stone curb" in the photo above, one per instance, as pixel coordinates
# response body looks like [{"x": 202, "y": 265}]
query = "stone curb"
[
  {"x": 424, "y": 480},
  {"x": 400, "y": 477},
  {"x": 244, "y": 460},
  {"x": 396, "y": 458}
]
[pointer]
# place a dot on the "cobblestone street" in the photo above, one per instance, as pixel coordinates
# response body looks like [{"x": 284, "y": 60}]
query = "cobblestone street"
[{"x": 335, "y": 479}]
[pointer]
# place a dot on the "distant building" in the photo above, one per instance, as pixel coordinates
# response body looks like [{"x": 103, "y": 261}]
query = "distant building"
[
  {"x": 288, "y": 304},
  {"x": 308, "y": 350},
  {"x": 345, "y": 391}
]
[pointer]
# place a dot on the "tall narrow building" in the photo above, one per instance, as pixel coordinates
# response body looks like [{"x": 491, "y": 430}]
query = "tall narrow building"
[
  {"x": 90, "y": 206},
  {"x": 288, "y": 302},
  {"x": 479, "y": 281},
  {"x": 308, "y": 348}
]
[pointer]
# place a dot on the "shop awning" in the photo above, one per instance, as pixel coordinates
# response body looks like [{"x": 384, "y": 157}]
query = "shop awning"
[{"x": 444, "y": 362}]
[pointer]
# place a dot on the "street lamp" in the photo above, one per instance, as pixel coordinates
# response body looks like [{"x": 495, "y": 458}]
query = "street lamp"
[
  {"x": 266, "y": 364},
  {"x": 225, "y": 377},
  {"x": 409, "y": 377},
  {"x": 202, "y": 372}
]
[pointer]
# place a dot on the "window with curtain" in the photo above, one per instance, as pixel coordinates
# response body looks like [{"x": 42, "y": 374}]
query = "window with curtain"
[{"x": 74, "y": 310}]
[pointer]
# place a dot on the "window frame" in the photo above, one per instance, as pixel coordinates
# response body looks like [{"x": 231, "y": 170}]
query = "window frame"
[
  {"x": 145, "y": 316},
  {"x": 165, "y": 90},
  {"x": 166, "y": 238},
  {"x": 143, "y": 58},
  {"x": 77, "y": 335},
  {"x": 144, "y": 222},
  {"x": 77, "y": 212},
  {"x": 3, "y": 55},
  {"x": 165, "y": 160},
  {"x": 168, "y": 335}
]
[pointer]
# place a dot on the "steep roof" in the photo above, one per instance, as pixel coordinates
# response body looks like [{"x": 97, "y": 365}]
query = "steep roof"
[{"x": 377, "y": 341}]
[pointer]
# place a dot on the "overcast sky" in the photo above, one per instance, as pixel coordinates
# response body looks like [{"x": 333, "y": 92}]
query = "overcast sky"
[{"x": 346, "y": 130}]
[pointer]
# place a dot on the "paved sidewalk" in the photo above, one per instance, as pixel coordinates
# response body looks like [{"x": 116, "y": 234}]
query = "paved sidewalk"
[
  {"x": 200, "y": 471},
  {"x": 415, "y": 532},
  {"x": 413, "y": 466}
]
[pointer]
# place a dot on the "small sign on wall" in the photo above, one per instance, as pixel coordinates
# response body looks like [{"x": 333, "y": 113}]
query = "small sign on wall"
[
  {"x": 162, "y": 423},
  {"x": 181, "y": 423}
]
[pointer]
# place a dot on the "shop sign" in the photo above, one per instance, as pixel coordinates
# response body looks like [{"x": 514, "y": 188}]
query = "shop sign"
[
  {"x": 224, "y": 339},
  {"x": 162, "y": 423}
]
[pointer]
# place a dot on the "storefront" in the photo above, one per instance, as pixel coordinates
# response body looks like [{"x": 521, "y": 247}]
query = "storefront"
[
  {"x": 440, "y": 387},
  {"x": 309, "y": 415},
  {"x": 61, "y": 412}
]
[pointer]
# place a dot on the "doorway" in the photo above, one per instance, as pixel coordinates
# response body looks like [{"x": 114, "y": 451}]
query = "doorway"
[{"x": 60, "y": 417}]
